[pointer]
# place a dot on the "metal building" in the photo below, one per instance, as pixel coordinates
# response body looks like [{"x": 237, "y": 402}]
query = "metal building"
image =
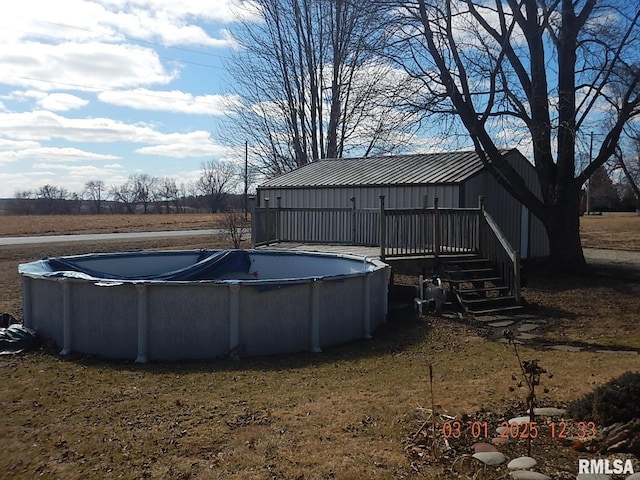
[{"x": 457, "y": 179}]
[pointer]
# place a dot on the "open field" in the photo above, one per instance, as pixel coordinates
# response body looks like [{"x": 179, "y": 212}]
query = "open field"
[
  {"x": 621, "y": 231},
  {"x": 345, "y": 413},
  {"x": 19, "y": 225},
  {"x": 607, "y": 231}
]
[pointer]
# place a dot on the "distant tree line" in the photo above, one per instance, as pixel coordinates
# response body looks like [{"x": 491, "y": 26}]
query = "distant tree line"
[
  {"x": 615, "y": 186},
  {"x": 213, "y": 191},
  {"x": 606, "y": 195}
]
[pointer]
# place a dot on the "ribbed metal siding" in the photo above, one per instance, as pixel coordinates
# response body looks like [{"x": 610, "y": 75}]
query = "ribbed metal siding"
[
  {"x": 538, "y": 238},
  {"x": 412, "y": 196},
  {"x": 506, "y": 210},
  {"x": 501, "y": 205}
]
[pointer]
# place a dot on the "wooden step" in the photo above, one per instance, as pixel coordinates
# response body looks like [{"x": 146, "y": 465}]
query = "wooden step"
[
  {"x": 465, "y": 291},
  {"x": 476, "y": 301},
  {"x": 470, "y": 270},
  {"x": 464, "y": 261},
  {"x": 478, "y": 278},
  {"x": 473, "y": 280},
  {"x": 496, "y": 310}
]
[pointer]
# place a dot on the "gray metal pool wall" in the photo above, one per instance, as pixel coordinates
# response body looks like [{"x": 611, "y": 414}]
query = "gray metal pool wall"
[{"x": 171, "y": 321}]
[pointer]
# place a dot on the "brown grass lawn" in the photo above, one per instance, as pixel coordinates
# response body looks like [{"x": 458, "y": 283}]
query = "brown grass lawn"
[
  {"x": 76, "y": 224},
  {"x": 345, "y": 413},
  {"x": 620, "y": 231}
]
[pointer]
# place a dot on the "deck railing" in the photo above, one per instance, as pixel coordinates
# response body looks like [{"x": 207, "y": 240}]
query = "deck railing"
[
  {"x": 495, "y": 247},
  {"x": 398, "y": 232}
]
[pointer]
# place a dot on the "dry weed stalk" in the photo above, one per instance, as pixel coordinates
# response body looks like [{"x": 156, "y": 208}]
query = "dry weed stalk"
[{"x": 531, "y": 371}]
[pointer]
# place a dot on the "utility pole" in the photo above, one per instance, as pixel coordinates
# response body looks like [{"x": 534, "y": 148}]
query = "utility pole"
[
  {"x": 589, "y": 180},
  {"x": 246, "y": 178}
]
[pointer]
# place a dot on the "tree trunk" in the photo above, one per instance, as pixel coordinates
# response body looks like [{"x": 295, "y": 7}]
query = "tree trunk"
[{"x": 563, "y": 227}]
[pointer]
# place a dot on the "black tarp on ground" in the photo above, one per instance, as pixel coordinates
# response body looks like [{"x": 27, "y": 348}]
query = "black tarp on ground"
[{"x": 14, "y": 337}]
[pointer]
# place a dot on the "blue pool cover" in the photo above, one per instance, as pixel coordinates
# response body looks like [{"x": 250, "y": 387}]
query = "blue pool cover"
[{"x": 208, "y": 267}]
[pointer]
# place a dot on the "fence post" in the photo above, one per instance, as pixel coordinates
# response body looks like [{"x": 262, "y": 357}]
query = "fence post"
[
  {"x": 482, "y": 231},
  {"x": 266, "y": 221},
  {"x": 278, "y": 235},
  {"x": 383, "y": 229},
  {"x": 436, "y": 229},
  {"x": 424, "y": 227},
  {"x": 353, "y": 220},
  {"x": 254, "y": 221}
]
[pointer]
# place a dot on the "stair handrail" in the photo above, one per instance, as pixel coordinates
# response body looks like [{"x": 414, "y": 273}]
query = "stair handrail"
[{"x": 493, "y": 237}]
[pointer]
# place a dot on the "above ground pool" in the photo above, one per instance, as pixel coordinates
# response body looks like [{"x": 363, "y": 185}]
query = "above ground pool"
[{"x": 170, "y": 305}]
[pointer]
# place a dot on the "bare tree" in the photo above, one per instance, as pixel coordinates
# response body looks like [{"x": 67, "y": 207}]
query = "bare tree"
[
  {"x": 217, "y": 179},
  {"x": 628, "y": 160},
  {"x": 22, "y": 203},
  {"x": 143, "y": 185},
  {"x": 542, "y": 72},
  {"x": 237, "y": 228},
  {"x": 95, "y": 190},
  {"x": 310, "y": 85},
  {"x": 52, "y": 199},
  {"x": 166, "y": 192},
  {"x": 125, "y": 194}
]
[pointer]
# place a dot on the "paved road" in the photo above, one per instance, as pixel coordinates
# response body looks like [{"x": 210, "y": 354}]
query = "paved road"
[
  {"x": 618, "y": 263},
  {"x": 99, "y": 237}
]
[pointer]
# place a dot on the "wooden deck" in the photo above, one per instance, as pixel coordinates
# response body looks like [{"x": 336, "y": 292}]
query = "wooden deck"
[
  {"x": 414, "y": 238},
  {"x": 370, "y": 252}
]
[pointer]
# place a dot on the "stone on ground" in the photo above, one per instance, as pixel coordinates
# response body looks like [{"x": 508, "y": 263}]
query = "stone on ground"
[
  {"x": 483, "y": 447},
  {"x": 519, "y": 420},
  {"x": 522, "y": 463},
  {"x": 490, "y": 458}
]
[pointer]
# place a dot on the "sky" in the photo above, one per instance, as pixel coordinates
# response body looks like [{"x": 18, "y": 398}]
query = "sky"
[{"x": 102, "y": 89}]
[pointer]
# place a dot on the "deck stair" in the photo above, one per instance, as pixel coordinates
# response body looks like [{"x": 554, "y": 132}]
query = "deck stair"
[{"x": 478, "y": 287}]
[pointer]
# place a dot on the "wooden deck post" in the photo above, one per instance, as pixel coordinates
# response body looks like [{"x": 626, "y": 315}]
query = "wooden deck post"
[
  {"x": 254, "y": 222},
  {"x": 353, "y": 220},
  {"x": 278, "y": 218},
  {"x": 383, "y": 229},
  {"x": 266, "y": 221},
  {"x": 436, "y": 230},
  {"x": 482, "y": 242}
]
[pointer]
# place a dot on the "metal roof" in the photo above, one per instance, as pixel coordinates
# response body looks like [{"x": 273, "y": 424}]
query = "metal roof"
[{"x": 429, "y": 168}]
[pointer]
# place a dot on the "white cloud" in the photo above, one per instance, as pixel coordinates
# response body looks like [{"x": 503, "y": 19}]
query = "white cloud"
[
  {"x": 60, "y": 102},
  {"x": 193, "y": 144},
  {"x": 65, "y": 154},
  {"x": 165, "y": 21},
  {"x": 225, "y": 11},
  {"x": 84, "y": 66},
  {"x": 9, "y": 145},
  {"x": 43, "y": 125},
  {"x": 169, "y": 101}
]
